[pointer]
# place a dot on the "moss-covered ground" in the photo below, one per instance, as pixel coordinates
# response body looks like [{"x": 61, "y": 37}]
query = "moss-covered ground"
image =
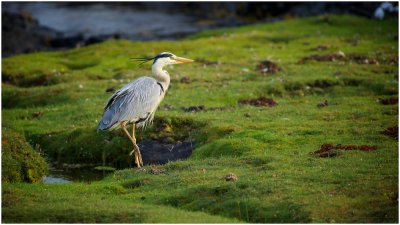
[{"x": 56, "y": 99}]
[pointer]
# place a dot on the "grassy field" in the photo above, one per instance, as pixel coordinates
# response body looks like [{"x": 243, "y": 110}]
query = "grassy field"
[{"x": 55, "y": 99}]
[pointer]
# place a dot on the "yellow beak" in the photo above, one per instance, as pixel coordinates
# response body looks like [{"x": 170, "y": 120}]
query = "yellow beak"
[{"x": 183, "y": 60}]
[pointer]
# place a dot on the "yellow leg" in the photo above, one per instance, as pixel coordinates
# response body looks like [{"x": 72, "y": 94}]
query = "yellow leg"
[{"x": 135, "y": 147}]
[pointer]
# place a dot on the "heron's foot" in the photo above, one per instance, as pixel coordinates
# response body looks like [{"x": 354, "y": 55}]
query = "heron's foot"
[{"x": 137, "y": 155}]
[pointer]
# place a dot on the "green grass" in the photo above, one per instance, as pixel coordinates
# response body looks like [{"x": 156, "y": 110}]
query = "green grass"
[{"x": 270, "y": 151}]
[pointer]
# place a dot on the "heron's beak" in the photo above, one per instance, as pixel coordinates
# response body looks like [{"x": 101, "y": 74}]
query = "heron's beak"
[{"x": 183, "y": 60}]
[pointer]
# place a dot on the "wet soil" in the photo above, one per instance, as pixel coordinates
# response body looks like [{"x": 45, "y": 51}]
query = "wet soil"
[
  {"x": 261, "y": 101},
  {"x": 392, "y": 132},
  {"x": 329, "y": 150},
  {"x": 268, "y": 66}
]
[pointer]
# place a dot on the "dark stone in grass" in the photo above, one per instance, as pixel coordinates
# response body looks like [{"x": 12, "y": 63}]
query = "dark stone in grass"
[
  {"x": 392, "y": 132},
  {"x": 267, "y": 66},
  {"x": 389, "y": 101},
  {"x": 261, "y": 101},
  {"x": 154, "y": 152},
  {"x": 329, "y": 150}
]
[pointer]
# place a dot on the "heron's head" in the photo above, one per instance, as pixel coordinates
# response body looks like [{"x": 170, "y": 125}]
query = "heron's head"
[{"x": 165, "y": 58}]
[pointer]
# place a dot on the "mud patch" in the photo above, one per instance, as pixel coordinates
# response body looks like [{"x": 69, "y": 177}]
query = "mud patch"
[
  {"x": 259, "y": 102},
  {"x": 392, "y": 132},
  {"x": 389, "y": 101},
  {"x": 267, "y": 66},
  {"x": 329, "y": 150}
]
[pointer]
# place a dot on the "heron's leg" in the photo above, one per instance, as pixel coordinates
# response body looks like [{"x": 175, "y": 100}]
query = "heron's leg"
[{"x": 134, "y": 145}]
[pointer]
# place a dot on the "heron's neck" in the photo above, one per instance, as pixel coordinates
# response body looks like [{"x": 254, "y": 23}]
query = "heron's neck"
[{"x": 161, "y": 75}]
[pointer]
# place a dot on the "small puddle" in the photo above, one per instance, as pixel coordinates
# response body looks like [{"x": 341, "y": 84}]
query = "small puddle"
[{"x": 86, "y": 175}]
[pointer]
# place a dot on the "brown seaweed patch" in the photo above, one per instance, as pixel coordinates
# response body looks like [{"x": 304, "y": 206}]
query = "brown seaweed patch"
[
  {"x": 268, "y": 66},
  {"x": 392, "y": 132},
  {"x": 261, "y": 101},
  {"x": 329, "y": 57},
  {"x": 329, "y": 150},
  {"x": 340, "y": 56}
]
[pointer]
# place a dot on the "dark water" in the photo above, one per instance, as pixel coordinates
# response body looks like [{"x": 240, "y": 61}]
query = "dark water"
[
  {"x": 86, "y": 175},
  {"x": 106, "y": 19}
]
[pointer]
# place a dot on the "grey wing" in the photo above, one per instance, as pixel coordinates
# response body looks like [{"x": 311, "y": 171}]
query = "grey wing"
[{"x": 134, "y": 102}]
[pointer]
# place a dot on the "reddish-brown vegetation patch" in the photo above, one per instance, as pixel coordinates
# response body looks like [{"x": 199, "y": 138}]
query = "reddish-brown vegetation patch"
[
  {"x": 329, "y": 150},
  {"x": 267, "y": 66},
  {"x": 389, "y": 101},
  {"x": 392, "y": 132},
  {"x": 360, "y": 59},
  {"x": 261, "y": 101},
  {"x": 329, "y": 57}
]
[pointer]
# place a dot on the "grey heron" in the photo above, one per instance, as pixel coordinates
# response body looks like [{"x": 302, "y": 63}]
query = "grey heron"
[{"x": 136, "y": 102}]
